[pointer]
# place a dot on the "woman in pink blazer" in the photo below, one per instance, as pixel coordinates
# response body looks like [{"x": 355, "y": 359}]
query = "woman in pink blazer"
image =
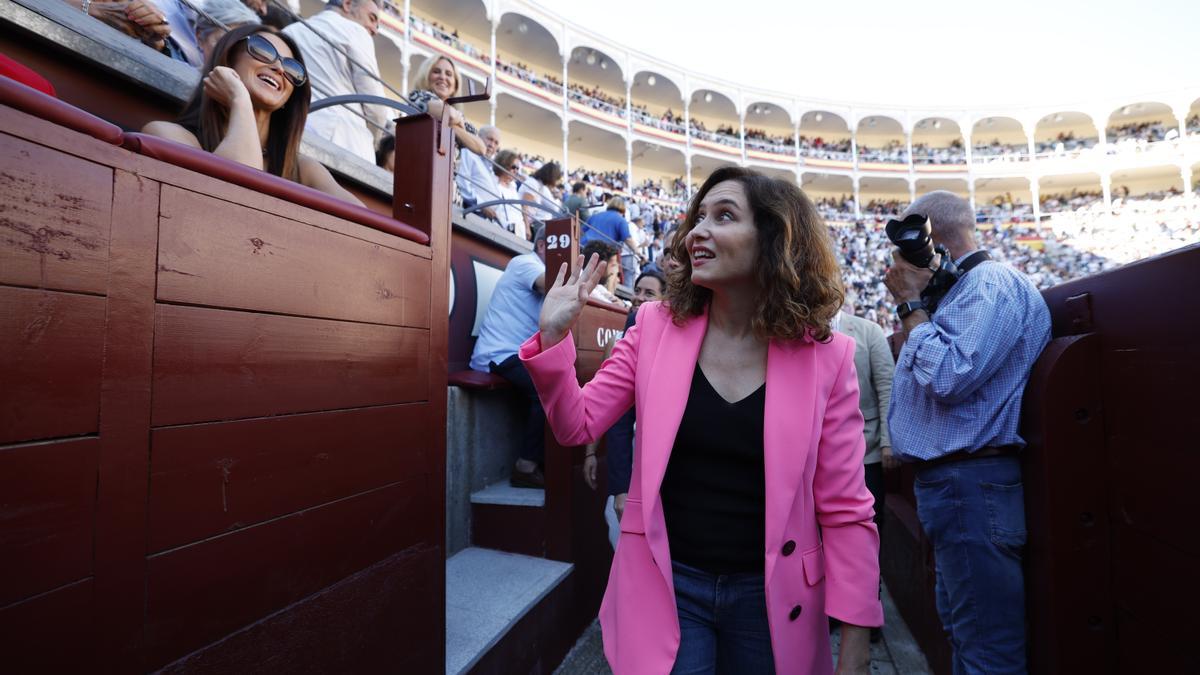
[{"x": 748, "y": 522}]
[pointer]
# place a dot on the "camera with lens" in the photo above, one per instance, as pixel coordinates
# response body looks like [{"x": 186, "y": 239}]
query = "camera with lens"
[{"x": 914, "y": 237}]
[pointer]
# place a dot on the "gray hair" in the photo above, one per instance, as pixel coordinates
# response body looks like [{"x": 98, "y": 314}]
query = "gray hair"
[
  {"x": 950, "y": 215},
  {"x": 229, "y": 14},
  {"x": 539, "y": 234},
  {"x": 488, "y": 130}
]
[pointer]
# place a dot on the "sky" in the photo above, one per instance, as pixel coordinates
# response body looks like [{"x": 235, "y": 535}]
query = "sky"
[{"x": 960, "y": 53}]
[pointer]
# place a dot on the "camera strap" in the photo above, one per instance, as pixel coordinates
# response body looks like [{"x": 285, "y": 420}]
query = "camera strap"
[{"x": 973, "y": 261}]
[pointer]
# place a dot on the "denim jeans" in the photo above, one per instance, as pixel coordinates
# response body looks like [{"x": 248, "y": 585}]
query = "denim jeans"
[
  {"x": 974, "y": 514},
  {"x": 722, "y": 623}
]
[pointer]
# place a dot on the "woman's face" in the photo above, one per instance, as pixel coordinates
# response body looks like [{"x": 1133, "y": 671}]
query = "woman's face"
[
  {"x": 269, "y": 89},
  {"x": 647, "y": 290},
  {"x": 723, "y": 246},
  {"x": 442, "y": 80}
]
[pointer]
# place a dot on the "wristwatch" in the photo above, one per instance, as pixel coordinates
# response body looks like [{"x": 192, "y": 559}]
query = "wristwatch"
[{"x": 906, "y": 308}]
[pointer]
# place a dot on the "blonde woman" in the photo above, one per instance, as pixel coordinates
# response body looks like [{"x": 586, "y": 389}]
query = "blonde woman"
[{"x": 437, "y": 79}]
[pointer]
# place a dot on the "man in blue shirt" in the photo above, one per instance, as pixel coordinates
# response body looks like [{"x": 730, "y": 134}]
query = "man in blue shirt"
[
  {"x": 610, "y": 227},
  {"x": 511, "y": 319},
  {"x": 956, "y": 405}
]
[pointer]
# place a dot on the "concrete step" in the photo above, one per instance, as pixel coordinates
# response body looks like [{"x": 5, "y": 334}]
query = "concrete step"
[
  {"x": 503, "y": 494},
  {"x": 487, "y": 593}
]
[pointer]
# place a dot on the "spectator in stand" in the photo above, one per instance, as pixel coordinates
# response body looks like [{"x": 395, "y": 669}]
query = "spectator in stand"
[
  {"x": 511, "y": 317},
  {"x": 166, "y": 26},
  {"x": 506, "y": 167},
  {"x": 250, "y": 107},
  {"x": 610, "y": 226},
  {"x": 435, "y": 81},
  {"x": 344, "y": 27},
  {"x": 608, "y": 254},
  {"x": 385, "y": 154},
  {"x": 475, "y": 178},
  {"x": 631, "y": 258},
  {"x": 539, "y": 189},
  {"x": 576, "y": 203},
  {"x": 225, "y": 15}
]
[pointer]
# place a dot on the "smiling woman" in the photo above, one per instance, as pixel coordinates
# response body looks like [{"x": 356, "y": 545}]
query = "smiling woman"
[
  {"x": 437, "y": 80},
  {"x": 250, "y": 107}
]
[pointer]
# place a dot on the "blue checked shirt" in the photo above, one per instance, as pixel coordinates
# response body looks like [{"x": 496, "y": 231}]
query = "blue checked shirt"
[{"x": 961, "y": 375}]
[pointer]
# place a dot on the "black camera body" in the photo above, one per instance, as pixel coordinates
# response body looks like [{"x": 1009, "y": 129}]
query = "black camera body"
[{"x": 914, "y": 237}]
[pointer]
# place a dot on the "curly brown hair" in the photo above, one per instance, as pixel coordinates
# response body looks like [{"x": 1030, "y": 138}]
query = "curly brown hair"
[{"x": 798, "y": 274}]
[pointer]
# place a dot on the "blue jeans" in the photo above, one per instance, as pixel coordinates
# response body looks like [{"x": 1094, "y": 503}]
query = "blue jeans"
[
  {"x": 722, "y": 623},
  {"x": 974, "y": 514}
]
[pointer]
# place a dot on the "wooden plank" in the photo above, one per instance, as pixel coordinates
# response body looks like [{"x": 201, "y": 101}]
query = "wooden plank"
[
  {"x": 47, "y": 502},
  {"x": 212, "y": 478},
  {"x": 51, "y": 356},
  {"x": 220, "y": 254},
  {"x": 389, "y": 619},
  {"x": 205, "y": 591},
  {"x": 597, "y": 327},
  {"x": 55, "y": 214},
  {"x": 212, "y": 364},
  {"x": 124, "y": 425},
  {"x": 50, "y": 633}
]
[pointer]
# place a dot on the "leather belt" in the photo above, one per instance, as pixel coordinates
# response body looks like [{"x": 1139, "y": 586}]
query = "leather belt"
[{"x": 961, "y": 455}]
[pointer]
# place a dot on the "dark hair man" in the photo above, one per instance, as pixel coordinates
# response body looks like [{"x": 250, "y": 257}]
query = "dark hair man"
[{"x": 956, "y": 403}]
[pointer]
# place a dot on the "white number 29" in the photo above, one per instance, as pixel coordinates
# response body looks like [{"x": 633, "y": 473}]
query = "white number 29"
[{"x": 558, "y": 241}]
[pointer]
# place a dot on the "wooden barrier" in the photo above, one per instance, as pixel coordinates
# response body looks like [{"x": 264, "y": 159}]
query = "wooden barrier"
[{"x": 222, "y": 420}]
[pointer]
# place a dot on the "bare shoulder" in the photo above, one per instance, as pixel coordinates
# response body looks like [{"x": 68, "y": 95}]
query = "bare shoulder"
[{"x": 172, "y": 132}]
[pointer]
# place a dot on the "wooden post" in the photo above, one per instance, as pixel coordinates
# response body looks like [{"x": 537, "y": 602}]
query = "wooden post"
[{"x": 562, "y": 246}]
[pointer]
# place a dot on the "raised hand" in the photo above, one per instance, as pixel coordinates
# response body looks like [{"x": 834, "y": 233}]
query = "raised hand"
[
  {"x": 224, "y": 86},
  {"x": 152, "y": 22},
  {"x": 567, "y": 297}
]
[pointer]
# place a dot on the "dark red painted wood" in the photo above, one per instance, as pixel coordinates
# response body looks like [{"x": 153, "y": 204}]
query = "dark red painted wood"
[
  {"x": 55, "y": 213},
  {"x": 204, "y": 591},
  {"x": 212, "y": 364},
  {"x": 50, "y": 633},
  {"x": 218, "y": 253},
  {"x": 51, "y": 354},
  {"x": 47, "y": 503},
  {"x": 516, "y": 529},
  {"x": 124, "y": 419},
  {"x": 365, "y": 623},
  {"x": 207, "y": 479}
]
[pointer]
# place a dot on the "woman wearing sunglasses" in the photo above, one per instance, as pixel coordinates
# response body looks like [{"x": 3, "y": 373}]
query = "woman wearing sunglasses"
[{"x": 250, "y": 107}]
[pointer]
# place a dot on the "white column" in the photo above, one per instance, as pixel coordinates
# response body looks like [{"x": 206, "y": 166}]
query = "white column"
[
  {"x": 1035, "y": 190},
  {"x": 742, "y": 134},
  {"x": 406, "y": 53},
  {"x": 629, "y": 132},
  {"x": 908, "y": 141},
  {"x": 687, "y": 137},
  {"x": 1032, "y": 148},
  {"x": 566, "y": 111},
  {"x": 492, "y": 101},
  {"x": 1106, "y": 188},
  {"x": 854, "y": 148},
  {"x": 971, "y": 194},
  {"x": 1185, "y": 172},
  {"x": 796, "y": 145},
  {"x": 857, "y": 198},
  {"x": 968, "y": 139},
  {"x": 912, "y": 189}
]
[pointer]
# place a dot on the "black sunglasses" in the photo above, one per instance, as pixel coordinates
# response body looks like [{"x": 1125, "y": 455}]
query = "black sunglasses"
[{"x": 262, "y": 50}]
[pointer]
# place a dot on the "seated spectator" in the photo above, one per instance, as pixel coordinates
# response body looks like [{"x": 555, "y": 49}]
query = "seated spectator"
[
  {"x": 219, "y": 17},
  {"x": 385, "y": 154},
  {"x": 539, "y": 189},
  {"x": 344, "y": 27},
  {"x": 576, "y": 204},
  {"x": 507, "y": 166},
  {"x": 475, "y": 179},
  {"x": 511, "y": 318},
  {"x": 167, "y": 26},
  {"x": 607, "y": 253},
  {"x": 250, "y": 107},
  {"x": 436, "y": 80}
]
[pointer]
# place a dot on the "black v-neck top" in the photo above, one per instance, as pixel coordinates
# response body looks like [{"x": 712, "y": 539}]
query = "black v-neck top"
[{"x": 714, "y": 490}]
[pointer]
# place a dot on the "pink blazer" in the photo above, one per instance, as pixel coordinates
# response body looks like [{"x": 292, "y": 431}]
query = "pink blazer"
[{"x": 822, "y": 547}]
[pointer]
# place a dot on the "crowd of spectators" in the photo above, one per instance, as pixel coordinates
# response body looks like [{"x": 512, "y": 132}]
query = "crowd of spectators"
[
  {"x": 1004, "y": 210},
  {"x": 882, "y": 209},
  {"x": 893, "y": 152},
  {"x": 923, "y": 153},
  {"x": 762, "y": 140},
  {"x": 1073, "y": 201},
  {"x": 1064, "y": 142},
  {"x": 836, "y": 209},
  {"x": 525, "y": 73},
  {"x": 997, "y": 151},
  {"x": 1147, "y": 132},
  {"x": 597, "y": 98},
  {"x": 449, "y": 36},
  {"x": 823, "y": 148},
  {"x": 1193, "y": 123}
]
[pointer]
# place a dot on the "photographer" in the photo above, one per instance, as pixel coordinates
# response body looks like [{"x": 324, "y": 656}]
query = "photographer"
[{"x": 956, "y": 403}]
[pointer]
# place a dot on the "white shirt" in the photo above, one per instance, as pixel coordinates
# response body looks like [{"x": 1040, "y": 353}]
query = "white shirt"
[
  {"x": 475, "y": 177},
  {"x": 510, "y": 214},
  {"x": 533, "y": 186},
  {"x": 332, "y": 75}
]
